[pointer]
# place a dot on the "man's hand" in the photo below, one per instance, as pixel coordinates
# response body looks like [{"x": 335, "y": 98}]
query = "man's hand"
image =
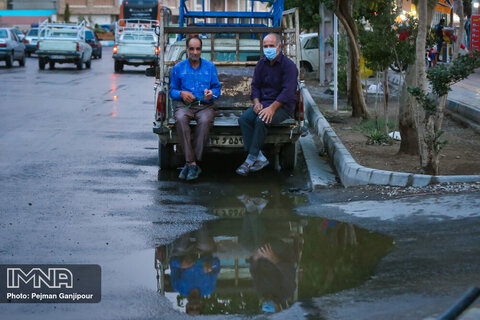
[
  {"x": 257, "y": 107},
  {"x": 187, "y": 97},
  {"x": 207, "y": 267},
  {"x": 207, "y": 94},
  {"x": 267, "y": 114},
  {"x": 267, "y": 253}
]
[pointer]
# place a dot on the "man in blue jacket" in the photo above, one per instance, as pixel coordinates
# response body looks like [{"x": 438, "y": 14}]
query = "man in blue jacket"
[
  {"x": 194, "y": 84},
  {"x": 274, "y": 86}
]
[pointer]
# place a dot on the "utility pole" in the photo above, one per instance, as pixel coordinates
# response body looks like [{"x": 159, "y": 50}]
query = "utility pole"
[
  {"x": 321, "y": 46},
  {"x": 335, "y": 62}
]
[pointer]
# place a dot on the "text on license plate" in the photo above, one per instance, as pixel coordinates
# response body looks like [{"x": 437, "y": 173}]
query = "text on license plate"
[
  {"x": 135, "y": 60},
  {"x": 226, "y": 141},
  {"x": 57, "y": 57}
]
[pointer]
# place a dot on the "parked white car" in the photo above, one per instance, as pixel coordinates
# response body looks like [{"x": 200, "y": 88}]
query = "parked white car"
[
  {"x": 309, "y": 52},
  {"x": 11, "y": 48}
]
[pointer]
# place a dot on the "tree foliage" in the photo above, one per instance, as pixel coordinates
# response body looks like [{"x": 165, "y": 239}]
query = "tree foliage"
[
  {"x": 67, "y": 13},
  {"x": 309, "y": 12}
]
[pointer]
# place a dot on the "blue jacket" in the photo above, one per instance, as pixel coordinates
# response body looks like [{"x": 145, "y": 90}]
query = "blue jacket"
[{"x": 185, "y": 78}]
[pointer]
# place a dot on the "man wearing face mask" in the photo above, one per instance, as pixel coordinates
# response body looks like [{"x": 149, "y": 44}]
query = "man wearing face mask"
[
  {"x": 194, "y": 84},
  {"x": 274, "y": 85}
]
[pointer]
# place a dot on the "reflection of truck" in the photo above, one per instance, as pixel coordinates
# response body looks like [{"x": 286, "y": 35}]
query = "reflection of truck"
[
  {"x": 63, "y": 43},
  {"x": 235, "y": 59},
  {"x": 135, "y": 43}
]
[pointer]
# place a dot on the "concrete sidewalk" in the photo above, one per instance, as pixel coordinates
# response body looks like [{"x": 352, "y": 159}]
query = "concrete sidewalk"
[{"x": 464, "y": 101}]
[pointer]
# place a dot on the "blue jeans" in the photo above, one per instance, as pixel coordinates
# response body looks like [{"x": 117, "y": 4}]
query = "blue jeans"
[{"x": 254, "y": 130}]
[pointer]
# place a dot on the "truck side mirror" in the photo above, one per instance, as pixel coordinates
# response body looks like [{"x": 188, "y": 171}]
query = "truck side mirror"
[{"x": 150, "y": 72}]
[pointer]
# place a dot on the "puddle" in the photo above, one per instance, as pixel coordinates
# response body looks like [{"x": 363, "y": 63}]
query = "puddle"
[{"x": 260, "y": 257}]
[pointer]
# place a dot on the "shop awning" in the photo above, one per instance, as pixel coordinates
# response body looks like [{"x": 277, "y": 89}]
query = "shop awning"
[{"x": 444, "y": 6}]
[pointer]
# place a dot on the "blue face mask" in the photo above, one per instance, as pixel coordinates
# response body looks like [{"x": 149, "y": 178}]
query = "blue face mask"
[{"x": 270, "y": 53}]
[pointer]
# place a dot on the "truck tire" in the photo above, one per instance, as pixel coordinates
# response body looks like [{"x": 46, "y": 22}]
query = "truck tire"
[
  {"x": 52, "y": 64},
  {"x": 167, "y": 159},
  {"x": 9, "y": 60},
  {"x": 41, "y": 63},
  {"x": 21, "y": 62},
  {"x": 80, "y": 64},
  {"x": 288, "y": 156},
  {"x": 118, "y": 66},
  {"x": 88, "y": 64}
]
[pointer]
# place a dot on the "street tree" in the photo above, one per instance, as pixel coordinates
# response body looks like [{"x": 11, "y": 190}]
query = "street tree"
[
  {"x": 343, "y": 9},
  {"x": 441, "y": 78},
  {"x": 386, "y": 42},
  {"x": 67, "y": 13}
]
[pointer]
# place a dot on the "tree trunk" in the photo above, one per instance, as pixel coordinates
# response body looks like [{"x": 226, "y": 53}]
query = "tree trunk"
[
  {"x": 385, "y": 96},
  {"x": 406, "y": 116},
  {"x": 424, "y": 131},
  {"x": 343, "y": 10}
]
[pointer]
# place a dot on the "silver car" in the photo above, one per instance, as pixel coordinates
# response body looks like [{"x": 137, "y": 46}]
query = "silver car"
[{"x": 11, "y": 48}]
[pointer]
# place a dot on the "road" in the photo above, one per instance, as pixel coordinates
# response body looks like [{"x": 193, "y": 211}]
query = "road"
[{"x": 80, "y": 184}]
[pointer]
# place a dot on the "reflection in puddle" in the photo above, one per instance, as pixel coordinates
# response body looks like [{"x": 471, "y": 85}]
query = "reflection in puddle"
[{"x": 259, "y": 257}]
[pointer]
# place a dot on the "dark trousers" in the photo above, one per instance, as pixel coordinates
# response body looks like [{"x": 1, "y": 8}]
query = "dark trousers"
[
  {"x": 254, "y": 130},
  {"x": 204, "y": 116}
]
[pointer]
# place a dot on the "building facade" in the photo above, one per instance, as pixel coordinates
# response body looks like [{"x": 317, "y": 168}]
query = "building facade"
[{"x": 94, "y": 11}]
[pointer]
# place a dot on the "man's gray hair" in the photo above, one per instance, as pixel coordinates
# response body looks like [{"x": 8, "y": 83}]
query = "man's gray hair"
[{"x": 277, "y": 38}]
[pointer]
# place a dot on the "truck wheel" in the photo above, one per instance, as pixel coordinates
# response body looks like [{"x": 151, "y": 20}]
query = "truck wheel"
[
  {"x": 80, "y": 64},
  {"x": 52, "y": 64},
  {"x": 99, "y": 56},
  {"x": 9, "y": 60},
  {"x": 88, "y": 64},
  {"x": 41, "y": 63},
  {"x": 118, "y": 66},
  {"x": 167, "y": 159},
  {"x": 21, "y": 62},
  {"x": 288, "y": 156}
]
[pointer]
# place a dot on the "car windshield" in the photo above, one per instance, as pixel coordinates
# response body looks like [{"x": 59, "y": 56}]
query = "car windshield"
[
  {"x": 3, "y": 34},
  {"x": 64, "y": 34},
  {"x": 17, "y": 31},
  {"x": 32, "y": 33},
  {"x": 138, "y": 36},
  {"x": 89, "y": 35}
]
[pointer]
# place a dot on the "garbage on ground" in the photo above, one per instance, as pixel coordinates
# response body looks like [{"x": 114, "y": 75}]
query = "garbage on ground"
[{"x": 395, "y": 135}]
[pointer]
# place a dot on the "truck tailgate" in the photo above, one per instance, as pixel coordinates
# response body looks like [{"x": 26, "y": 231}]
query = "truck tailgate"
[
  {"x": 136, "y": 49},
  {"x": 58, "y": 45}
]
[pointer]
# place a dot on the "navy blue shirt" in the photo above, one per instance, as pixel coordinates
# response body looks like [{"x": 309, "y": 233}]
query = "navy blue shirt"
[{"x": 276, "y": 82}]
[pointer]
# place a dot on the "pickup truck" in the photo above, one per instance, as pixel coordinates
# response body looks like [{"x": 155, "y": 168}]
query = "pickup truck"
[
  {"x": 63, "y": 43},
  {"x": 235, "y": 60},
  {"x": 135, "y": 43}
]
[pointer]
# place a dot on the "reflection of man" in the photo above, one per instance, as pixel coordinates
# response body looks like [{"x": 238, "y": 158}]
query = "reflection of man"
[
  {"x": 274, "y": 86},
  {"x": 194, "y": 83},
  {"x": 194, "y": 270},
  {"x": 273, "y": 275}
]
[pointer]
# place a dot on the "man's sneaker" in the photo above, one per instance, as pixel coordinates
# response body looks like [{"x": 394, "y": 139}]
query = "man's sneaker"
[
  {"x": 259, "y": 165},
  {"x": 183, "y": 174},
  {"x": 193, "y": 172}
]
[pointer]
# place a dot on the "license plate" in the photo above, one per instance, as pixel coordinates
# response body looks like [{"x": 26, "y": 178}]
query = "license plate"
[
  {"x": 229, "y": 212},
  {"x": 226, "y": 141},
  {"x": 135, "y": 60},
  {"x": 57, "y": 57}
]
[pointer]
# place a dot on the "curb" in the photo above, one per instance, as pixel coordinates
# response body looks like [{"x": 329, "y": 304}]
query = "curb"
[
  {"x": 466, "y": 114},
  {"x": 320, "y": 172},
  {"x": 353, "y": 174}
]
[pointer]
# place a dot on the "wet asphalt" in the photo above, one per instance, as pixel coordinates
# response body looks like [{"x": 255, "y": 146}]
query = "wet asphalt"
[{"x": 80, "y": 184}]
